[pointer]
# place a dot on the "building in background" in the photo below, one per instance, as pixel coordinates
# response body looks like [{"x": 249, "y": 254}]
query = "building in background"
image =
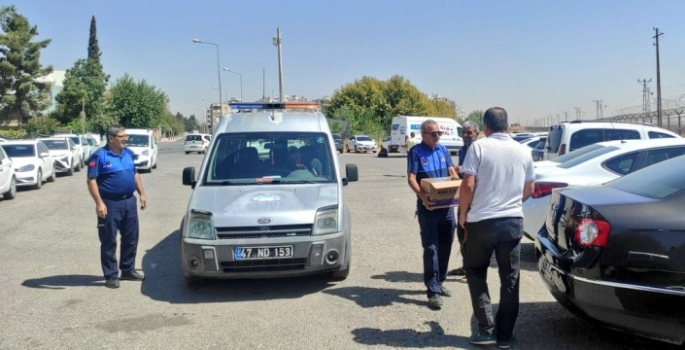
[{"x": 56, "y": 82}]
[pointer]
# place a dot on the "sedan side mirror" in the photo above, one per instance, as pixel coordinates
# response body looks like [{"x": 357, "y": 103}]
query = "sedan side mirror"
[
  {"x": 44, "y": 155},
  {"x": 189, "y": 177}
]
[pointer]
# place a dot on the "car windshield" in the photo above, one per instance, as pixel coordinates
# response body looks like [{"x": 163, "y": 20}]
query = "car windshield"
[
  {"x": 270, "y": 158},
  {"x": 577, "y": 153},
  {"x": 657, "y": 181},
  {"x": 19, "y": 151},
  {"x": 56, "y": 144},
  {"x": 363, "y": 138},
  {"x": 138, "y": 141},
  {"x": 91, "y": 142},
  {"x": 337, "y": 137},
  {"x": 76, "y": 139},
  {"x": 587, "y": 156}
]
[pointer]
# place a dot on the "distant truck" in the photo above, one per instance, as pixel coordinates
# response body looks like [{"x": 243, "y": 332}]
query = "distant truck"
[{"x": 403, "y": 126}]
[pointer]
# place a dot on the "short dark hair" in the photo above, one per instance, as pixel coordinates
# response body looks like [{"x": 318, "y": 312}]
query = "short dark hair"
[{"x": 495, "y": 119}]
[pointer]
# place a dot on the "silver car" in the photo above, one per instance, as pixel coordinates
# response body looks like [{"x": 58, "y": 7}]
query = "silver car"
[{"x": 268, "y": 200}]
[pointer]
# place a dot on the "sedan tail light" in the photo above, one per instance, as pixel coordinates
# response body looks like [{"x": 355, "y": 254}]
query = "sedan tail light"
[
  {"x": 592, "y": 233},
  {"x": 545, "y": 188}
]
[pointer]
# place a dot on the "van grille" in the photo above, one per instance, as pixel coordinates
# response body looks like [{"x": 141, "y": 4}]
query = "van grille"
[
  {"x": 264, "y": 265},
  {"x": 276, "y": 231}
]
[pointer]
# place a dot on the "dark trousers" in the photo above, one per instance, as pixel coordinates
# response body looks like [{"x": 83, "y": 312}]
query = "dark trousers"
[
  {"x": 122, "y": 216},
  {"x": 503, "y": 236},
  {"x": 437, "y": 235}
]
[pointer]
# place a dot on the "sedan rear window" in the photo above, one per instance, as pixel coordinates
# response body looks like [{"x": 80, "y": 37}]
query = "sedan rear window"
[
  {"x": 587, "y": 156},
  {"x": 193, "y": 138},
  {"x": 657, "y": 181}
]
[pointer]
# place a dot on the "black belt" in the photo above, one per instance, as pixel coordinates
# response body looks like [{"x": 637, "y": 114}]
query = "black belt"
[{"x": 115, "y": 197}]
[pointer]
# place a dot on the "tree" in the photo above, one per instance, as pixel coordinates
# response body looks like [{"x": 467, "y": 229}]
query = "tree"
[
  {"x": 369, "y": 104},
  {"x": 476, "y": 117},
  {"x": 85, "y": 85},
  {"x": 22, "y": 93},
  {"x": 138, "y": 104},
  {"x": 191, "y": 123}
]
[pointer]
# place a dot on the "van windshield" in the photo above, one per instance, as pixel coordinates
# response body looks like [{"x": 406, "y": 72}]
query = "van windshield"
[
  {"x": 270, "y": 158},
  {"x": 138, "y": 141}
]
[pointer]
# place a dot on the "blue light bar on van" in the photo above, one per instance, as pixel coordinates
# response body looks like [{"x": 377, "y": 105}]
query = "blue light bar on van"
[{"x": 265, "y": 106}]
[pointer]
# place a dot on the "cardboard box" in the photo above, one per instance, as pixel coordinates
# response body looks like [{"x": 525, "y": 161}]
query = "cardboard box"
[{"x": 443, "y": 191}]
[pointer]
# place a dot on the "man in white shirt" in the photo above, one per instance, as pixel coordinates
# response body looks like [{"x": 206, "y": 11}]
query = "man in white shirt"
[{"x": 498, "y": 177}]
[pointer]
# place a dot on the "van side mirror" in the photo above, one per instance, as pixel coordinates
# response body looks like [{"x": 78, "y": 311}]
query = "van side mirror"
[
  {"x": 352, "y": 173},
  {"x": 189, "y": 177},
  {"x": 44, "y": 154}
]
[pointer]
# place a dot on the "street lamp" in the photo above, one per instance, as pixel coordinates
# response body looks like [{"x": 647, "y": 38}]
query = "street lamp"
[
  {"x": 218, "y": 68},
  {"x": 241, "y": 82}
]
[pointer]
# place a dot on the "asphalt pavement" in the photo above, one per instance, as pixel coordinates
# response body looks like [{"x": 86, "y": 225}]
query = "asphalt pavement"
[{"x": 52, "y": 293}]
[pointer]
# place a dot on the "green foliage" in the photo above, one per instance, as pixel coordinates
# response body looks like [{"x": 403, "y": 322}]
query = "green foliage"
[
  {"x": 138, "y": 104},
  {"x": 12, "y": 134},
  {"x": 170, "y": 122},
  {"x": 93, "y": 46},
  {"x": 75, "y": 126},
  {"x": 369, "y": 104},
  {"x": 43, "y": 125},
  {"x": 22, "y": 93},
  {"x": 477, "y": 117},
  {"x": 191, "y": 124}
]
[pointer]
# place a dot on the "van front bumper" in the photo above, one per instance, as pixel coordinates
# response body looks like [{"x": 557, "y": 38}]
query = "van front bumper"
[{"x": 217, "y": 258}]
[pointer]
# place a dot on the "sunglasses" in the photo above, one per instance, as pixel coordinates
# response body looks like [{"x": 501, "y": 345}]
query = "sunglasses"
[{"x": 434, "y": 133}]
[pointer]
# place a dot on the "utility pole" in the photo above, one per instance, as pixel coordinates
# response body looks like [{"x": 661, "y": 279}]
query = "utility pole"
[
  {"x": 598, "y": 103},
  {"x": 277, "y": 43},
  {"x": 263, "y": 84},
  {"x": 565, "y": 116},
  {"x": 578, "y": 115},
  {"x": 658, "y": 78},
  {"x": 645, "y": 95}
]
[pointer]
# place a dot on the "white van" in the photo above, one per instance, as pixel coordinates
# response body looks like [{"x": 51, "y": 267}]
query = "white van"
[
  {"x": 568, "y": 137},
  {"x": 142, "y": 143},
  {"x": 403, "y": 125}
]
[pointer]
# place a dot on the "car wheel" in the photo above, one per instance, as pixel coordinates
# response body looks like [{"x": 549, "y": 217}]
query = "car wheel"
[
  {"x": 70, "y": 171},
  {"x": 12, "y": 193},
  {"x": 54, "y": 174},
  {"x": 348, "y": 149},
  {"x": 82, "y": 163},
  {"x": 343, "y": 272},
  {"x": 39, "y": 180},
  {"x": 187, "y": 152},
  {"x": 154, "y": 166}
]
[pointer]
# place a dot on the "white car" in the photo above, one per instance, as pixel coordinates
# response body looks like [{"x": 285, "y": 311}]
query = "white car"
[
  {"x": 597, "y": 167},
  {"x": 63, "y": 149},
  {"x": 197, "y": 143},
  {"x": 32, "y": 162},
  {"x": 361, "y": 143},
  {"x": 142, "y": 143},
  {"x": 8, "y": 179},
  {"x": 83, "y": 149}
]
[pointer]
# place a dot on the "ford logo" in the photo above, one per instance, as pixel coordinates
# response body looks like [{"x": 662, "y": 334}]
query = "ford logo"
[{"x": 264, "y": 221}]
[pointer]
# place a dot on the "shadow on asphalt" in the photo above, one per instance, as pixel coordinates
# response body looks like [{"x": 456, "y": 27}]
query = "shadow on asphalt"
[
  {"x": 368, "y": 297},
  {"x": 539, "y": 326},
  {"x": 164, "y": 281},
  {"x": 64, "y": 281}
]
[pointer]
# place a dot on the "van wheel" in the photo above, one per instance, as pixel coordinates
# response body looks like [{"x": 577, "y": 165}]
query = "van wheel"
[{"x": 193, "y": 282}]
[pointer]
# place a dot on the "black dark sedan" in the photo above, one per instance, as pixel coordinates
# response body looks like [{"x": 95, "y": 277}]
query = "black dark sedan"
[{"x": 616, "y": 253}]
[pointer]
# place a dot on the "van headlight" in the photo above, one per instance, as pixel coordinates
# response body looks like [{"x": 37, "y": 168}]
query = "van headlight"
[
  {"x": 326, "y": 221},
  {"x": 201, "y": 225},
  {"x": 146, "y": 152}
]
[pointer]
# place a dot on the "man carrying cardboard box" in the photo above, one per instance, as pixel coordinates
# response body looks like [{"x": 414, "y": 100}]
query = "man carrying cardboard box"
[{"x": 430, "y": 160}]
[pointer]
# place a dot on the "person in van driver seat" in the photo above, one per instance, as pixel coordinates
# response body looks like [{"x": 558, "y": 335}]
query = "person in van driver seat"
[{"x": 429, "y": 159}]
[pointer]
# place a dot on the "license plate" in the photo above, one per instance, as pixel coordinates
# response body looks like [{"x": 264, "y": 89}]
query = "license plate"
[
  {"x": 248, "y": 253},
  {"x": 545, "y": 268}
]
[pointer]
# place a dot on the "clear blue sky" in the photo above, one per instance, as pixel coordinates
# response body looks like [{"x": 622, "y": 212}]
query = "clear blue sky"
[{"x": 534, "y": 58}]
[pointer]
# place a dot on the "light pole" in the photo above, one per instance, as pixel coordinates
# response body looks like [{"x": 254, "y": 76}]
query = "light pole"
[
  {"x": 241, "y": 82},
  {"x": 277, "y": 43},
  {"x": 218, "y": 71}
]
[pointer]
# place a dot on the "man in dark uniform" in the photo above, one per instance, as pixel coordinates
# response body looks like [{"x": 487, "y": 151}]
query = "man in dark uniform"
[
  {"x": 112, "y": 179},
  {"x": 429, "y": 160},
  {"x": 470, "y": 135}
]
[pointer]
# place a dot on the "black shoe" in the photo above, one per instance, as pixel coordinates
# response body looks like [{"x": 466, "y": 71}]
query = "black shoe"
[
  {"x": 445, "y": 292},
  {"x": 482, "y": 339},
  {"x": 435, "y": 302},
  {"x": 457, "y": 272},
  {"x": 112, "y": 282},
  {"x": 132, "y": 275},
  {"x": 506, "y": 344}
]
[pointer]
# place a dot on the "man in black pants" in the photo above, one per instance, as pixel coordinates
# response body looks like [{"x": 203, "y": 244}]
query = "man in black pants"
[
  {"x": 498, "y": 177},
  {"x": 470, "y": 135},
  {"x": 429, "y": 159}
]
